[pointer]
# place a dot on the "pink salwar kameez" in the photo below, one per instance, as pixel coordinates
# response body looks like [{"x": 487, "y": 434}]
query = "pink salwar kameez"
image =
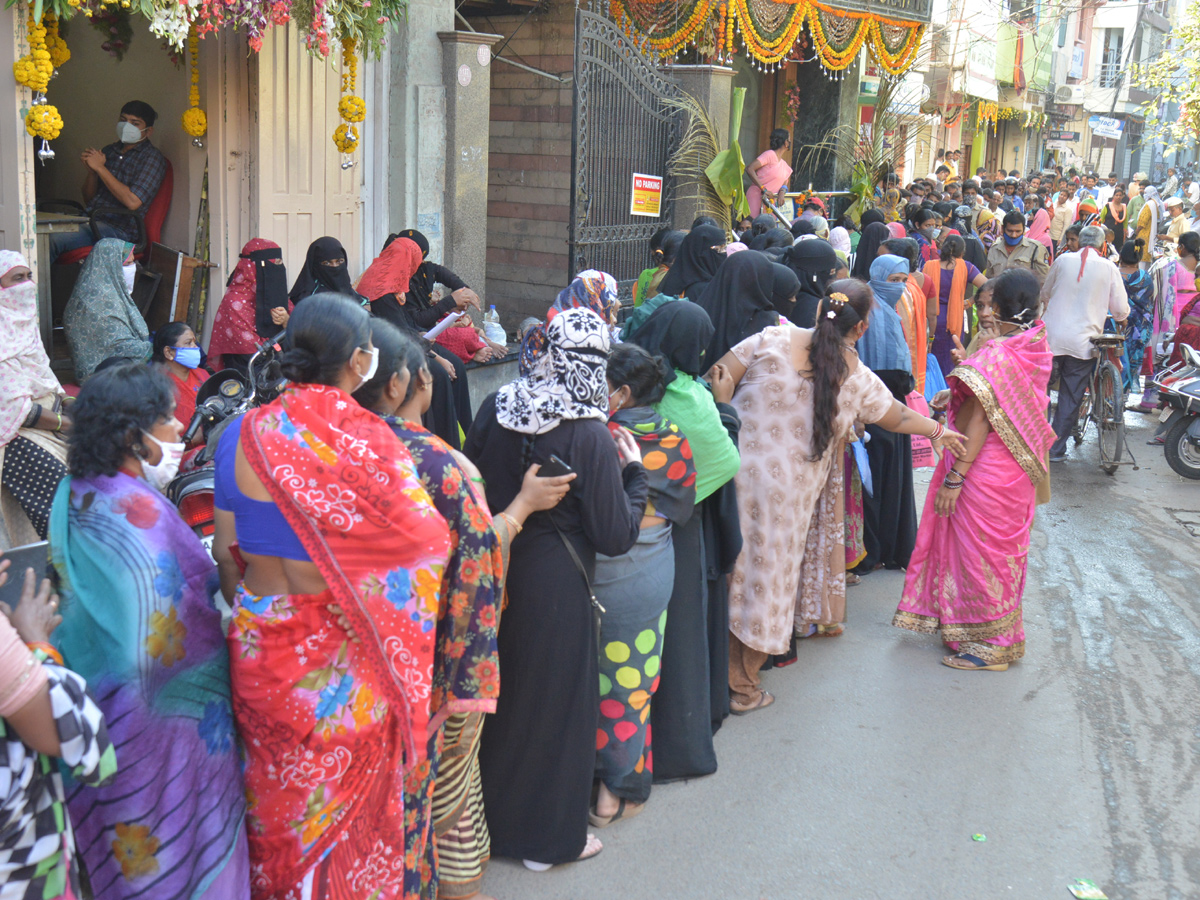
[{"x": 967, "y": 574}]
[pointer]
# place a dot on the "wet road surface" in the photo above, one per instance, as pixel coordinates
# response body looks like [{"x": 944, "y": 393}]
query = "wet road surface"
[{"x": 875, "y": 766}]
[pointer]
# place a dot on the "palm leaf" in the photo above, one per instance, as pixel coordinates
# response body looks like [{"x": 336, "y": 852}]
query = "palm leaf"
[{"x": 698, "y": 148}]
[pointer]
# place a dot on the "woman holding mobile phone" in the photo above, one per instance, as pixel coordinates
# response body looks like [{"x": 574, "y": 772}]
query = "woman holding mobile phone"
[{"x": 539, "y": 749}]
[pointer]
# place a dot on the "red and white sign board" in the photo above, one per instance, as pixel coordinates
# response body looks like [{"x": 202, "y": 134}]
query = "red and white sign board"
[{"x": 647, "y": 195}]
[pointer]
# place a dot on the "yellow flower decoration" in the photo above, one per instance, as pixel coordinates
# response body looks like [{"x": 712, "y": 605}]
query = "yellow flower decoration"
[
  {"x": 345, "y": 138},
  {"x": 195, "y": 122},
  {"x": 134, "y": 849},
  {"x": 165, "y": 641},
  {"x": 44, "y": 122},
  {"x": 352, "y": 109}
]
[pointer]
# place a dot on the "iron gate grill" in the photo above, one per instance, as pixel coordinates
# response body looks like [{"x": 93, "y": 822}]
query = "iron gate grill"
[{"x": 621, "y": 126}]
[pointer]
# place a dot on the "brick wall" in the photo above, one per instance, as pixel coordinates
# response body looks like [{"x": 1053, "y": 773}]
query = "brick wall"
[{"x": 529, "y": 181}]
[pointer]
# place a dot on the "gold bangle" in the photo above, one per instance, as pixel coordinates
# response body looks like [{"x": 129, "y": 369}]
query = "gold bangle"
[
  {"x": 58, "y": 427},
  {"x": 512, "y": 523}
]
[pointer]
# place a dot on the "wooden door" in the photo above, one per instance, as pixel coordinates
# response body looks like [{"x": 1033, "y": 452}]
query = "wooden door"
[{"x": 302, "y": 191}]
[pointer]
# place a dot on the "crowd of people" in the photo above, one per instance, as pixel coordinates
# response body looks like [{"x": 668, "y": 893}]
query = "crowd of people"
[{"x": 453, "y": 633}]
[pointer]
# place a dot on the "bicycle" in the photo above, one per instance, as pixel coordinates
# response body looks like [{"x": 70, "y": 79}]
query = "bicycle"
[{"x": 1104, "y": 402}]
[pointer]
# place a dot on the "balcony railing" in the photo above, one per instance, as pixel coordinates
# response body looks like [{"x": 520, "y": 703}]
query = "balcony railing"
[{"x": 1110, "y": 75}]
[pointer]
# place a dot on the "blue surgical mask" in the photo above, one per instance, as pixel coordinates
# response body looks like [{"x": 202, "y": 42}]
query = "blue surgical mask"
[
  {"x": 188, "y": 357},
  {"x": 1013, "y": 241}
]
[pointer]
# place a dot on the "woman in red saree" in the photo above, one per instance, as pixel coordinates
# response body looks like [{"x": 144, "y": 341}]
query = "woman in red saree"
[
  {"x": 333, "y": 633},
  {"x": 967, "y": 573}
]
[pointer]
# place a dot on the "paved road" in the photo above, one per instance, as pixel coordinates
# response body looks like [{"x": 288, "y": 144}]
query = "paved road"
[{"x": 876, "y": 765}]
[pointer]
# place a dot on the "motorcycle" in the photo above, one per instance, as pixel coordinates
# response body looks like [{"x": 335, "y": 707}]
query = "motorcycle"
[
  {"x": 220, "y": 400},
  {"x": 1179, "y": 387}
]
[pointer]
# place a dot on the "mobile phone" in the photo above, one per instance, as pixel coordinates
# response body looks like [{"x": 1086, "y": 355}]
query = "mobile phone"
[
  {"x": 555, "y": 468},
  {"x": 31, "y": 556}
]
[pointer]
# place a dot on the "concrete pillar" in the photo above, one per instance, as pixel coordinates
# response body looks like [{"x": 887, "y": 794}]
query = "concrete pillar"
[
  {"x": 712, "y": 86},
  {"x": 416, "y": 156},
  {"x": 467, "y": 80}
]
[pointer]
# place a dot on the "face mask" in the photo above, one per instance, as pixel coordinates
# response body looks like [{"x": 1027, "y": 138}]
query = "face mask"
[
  {"x": 130, "y": 273},
  {"x": 188, "y": 357},
  {"x": 128, "y": 133},
  {"x": 372, "y": 368},
  {"x": 1013, "y": 241},
  {"x": 22, "y": 296},
  {"x": 160, "y": 474}
]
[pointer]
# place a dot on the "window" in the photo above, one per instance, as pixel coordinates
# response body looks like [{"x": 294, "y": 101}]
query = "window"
[{"x": 1110, "y": 58}]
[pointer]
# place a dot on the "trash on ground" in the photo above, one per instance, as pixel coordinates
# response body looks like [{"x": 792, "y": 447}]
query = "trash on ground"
[
  {"x": 979, "y": 837},
  {"x": 1086, "y": 890}
]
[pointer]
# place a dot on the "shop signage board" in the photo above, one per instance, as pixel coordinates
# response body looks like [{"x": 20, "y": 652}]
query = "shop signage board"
[
  {"x": 1063, "y": 135},
  {"x": 647, "y": 195},
  {"x": 1058, "y": 145},
  {"x": 1076, "y": 69},
  {"x": 980, "y": 78},
  {"x": 1104, "y": 127}
]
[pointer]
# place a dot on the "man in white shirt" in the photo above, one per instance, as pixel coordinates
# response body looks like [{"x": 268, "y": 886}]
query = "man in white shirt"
[
  {"x": 1195, "y": 223},
  {"x": 1106, "y": 190},
  {"x": 1080, "y": 291},
  {"x": 1191, "y": 190}
]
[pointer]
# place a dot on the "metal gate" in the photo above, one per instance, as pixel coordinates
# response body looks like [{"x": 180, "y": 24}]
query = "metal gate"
[{"x": 621, "y": 126}]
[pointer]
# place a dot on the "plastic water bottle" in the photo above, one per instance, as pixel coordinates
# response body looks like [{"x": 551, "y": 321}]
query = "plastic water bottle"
[{"x": 492, "y": 327}]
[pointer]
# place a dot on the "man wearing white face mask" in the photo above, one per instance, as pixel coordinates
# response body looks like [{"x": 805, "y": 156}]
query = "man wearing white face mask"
[
  {"x": 33, "y": 454},
  {"x": 124, "y": 175}
]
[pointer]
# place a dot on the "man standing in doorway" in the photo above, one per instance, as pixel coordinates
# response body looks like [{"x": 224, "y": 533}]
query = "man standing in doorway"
[
  {"x": 1017, "y": 251},
  {"x": 1080, "y": 291},
  {"x": 126, "y": 174}
]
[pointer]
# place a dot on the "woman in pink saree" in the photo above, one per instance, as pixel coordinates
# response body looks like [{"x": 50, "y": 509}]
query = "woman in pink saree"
[
  {"x": 967, "y": 574},
  {"x": 769, "y": 173}
]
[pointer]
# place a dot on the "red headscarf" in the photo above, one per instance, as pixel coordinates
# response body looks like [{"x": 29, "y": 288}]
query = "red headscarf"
[
  {"x": 392, "y": 270},
  {"x": 233, "y": 328}
]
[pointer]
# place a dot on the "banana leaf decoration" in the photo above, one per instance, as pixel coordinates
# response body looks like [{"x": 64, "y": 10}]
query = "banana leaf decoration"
[{"x": 725, "y": 171}]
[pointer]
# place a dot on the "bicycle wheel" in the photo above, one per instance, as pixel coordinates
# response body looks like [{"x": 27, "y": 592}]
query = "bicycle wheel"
[
  {"x": 1110, "y": 416},
  {"x": 1081, "y": 417}
]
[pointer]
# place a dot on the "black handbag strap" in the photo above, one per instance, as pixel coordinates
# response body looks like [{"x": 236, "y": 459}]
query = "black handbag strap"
[{"x": 579, "y": 566}]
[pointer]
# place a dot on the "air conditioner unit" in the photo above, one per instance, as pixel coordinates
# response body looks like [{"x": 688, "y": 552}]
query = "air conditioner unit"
[{"x": 1069, "y": 93}]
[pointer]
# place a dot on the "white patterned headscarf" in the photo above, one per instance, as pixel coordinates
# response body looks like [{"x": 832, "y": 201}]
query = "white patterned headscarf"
[{"x": 567, "y": 379}]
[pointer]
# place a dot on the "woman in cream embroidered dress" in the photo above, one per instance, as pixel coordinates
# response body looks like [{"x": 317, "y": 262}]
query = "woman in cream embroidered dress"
[{"x": 799, "y": 393}]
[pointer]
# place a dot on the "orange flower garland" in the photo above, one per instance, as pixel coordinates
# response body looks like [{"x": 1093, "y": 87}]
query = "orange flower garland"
[{"x": 729, "y": 16}]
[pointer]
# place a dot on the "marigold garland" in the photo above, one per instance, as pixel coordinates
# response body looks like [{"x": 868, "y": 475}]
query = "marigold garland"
[
  {"x": 665, "y": 36},
  {"x": 195, "y": 122},
  {"x": 351, "y": 108},
  {"x": 43, "y": 121},
  {"x": 35, "y": 68}
]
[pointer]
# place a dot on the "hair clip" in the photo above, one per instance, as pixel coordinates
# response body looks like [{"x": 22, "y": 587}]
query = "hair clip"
[
  {"x": 831, "y": 315},
  {"x": 839, "y": 298}
]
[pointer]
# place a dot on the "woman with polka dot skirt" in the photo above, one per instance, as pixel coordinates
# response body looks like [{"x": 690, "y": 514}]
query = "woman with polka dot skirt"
[
  {"x": 33, "y": 454},
  {"x": 635, "y": 588}
]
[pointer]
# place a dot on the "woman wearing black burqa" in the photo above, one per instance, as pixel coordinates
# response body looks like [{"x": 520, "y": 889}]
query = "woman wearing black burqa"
[
  {"x": 873, "y": 236},
  {"x": 738, "y": 301},
  {"x": 700, "y": 255},
  {"x": 324, "y": 270},
  {"x": 815, "y": 264},
  {"x": 538, "y": 754},
  {"x": 693, "y": 691}
]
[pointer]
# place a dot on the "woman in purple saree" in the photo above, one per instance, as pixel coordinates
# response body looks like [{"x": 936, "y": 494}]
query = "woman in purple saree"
[{"x": 967, "y": 574}]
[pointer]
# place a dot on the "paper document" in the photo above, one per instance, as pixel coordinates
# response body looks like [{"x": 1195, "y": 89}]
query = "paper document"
[{"x": 441, "y": 326}]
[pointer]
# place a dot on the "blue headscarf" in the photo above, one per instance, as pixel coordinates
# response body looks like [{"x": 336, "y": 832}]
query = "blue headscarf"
[{"x": 883, "y": 346}]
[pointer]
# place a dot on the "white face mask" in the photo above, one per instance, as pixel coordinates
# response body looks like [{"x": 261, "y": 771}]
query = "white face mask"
[
  {"x": 130, "y": 272},
  {"x": 160, "y": 474},
  {"x": 128, "y": 133},
  {"x": 372, "y": 368}
]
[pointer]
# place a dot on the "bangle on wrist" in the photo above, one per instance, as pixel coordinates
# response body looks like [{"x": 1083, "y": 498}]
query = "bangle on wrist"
[
  {"x": 58, "y": 427},
  {"x": 48, "y": 650},
  {"x": 35, "y": 415},
  {"x": 938, "y": 430}
]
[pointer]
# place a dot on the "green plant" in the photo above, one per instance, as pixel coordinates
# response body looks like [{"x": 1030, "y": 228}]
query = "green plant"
[
  {"x": 1173, "y": 76},
  {"x": 697, "y": 150}
]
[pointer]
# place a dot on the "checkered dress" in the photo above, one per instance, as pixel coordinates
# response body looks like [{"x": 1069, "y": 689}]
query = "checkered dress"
[{"x": 37, "y": 846}]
